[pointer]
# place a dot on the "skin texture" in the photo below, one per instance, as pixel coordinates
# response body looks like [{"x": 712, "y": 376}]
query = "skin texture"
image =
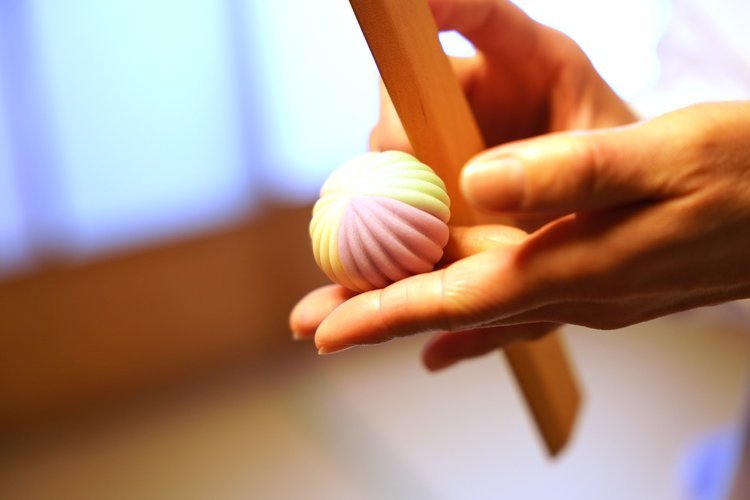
[{"x": 646, "y": 218}]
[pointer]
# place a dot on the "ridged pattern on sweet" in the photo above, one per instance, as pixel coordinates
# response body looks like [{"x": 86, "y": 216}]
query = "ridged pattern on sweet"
[{"x": 381, "y": 217}]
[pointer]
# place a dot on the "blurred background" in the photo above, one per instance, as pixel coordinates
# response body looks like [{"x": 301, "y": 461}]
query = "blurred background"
[{"x": 158, "y": 163}]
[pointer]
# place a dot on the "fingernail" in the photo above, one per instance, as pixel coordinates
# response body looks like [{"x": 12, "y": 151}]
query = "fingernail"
[
  {"x": 326, "y": 349},
  {"x": 496, "y": 183},
  {"x": 297, "y": 335}
]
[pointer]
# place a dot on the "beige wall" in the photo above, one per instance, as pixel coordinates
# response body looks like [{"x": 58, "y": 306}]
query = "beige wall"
[{"x": 76, "y": 336}]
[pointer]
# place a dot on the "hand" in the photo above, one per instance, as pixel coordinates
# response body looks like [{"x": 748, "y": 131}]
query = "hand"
[
  {"x": 448, "y": 347},
  {"x": 526, "y": 80},
  {"x": 659, "y": 222}
]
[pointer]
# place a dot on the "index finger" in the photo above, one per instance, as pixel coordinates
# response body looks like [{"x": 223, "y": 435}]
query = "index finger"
[
  {"x": 314, "y": 307},
  {"x": 470, "y": 293}
]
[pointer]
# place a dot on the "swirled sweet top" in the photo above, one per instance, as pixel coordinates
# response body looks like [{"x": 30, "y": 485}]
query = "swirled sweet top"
[{"x": 380, "y": 218}]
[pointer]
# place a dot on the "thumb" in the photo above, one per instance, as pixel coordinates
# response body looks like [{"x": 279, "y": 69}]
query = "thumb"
[{"x": 561, "y": 173}]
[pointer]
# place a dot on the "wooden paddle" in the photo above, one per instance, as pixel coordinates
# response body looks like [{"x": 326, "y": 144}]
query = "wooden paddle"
[{"x": 403, "y": 38}]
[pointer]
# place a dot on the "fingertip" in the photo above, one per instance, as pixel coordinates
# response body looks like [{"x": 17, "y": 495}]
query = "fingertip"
[
  {"x": 326, "y": 349},
  {"x": 436, "y": 366},
  {"x": 301, "y": 327},
  {"x": 296, "y": 322},
  {"x": 354, "y": 323},
  {"x": 434, "y": 359},
  {"x": 298, "y": 335},
  {"x": 313, "y": 308}
]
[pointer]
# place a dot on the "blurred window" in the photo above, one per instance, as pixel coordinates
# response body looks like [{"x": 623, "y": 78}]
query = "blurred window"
[{"x": 129, "y": 121}]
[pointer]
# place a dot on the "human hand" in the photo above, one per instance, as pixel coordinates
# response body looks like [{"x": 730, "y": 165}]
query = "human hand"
[
  {"x": 658, "y": 221},
  {"x": 448, "y": 347},
  {"x": 526, "y": 79}
]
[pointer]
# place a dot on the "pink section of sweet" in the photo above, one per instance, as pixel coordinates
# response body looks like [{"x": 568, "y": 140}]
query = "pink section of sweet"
[{"x": 382, "y": 240}]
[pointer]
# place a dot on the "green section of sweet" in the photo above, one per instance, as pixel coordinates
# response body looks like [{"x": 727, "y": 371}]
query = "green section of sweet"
[{"x": 392, "y": 174}]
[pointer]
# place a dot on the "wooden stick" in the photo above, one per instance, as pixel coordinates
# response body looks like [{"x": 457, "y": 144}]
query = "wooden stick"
[{"x": 403, "y": 39}]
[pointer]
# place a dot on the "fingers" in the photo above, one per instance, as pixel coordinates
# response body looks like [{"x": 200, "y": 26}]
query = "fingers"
[
  {"x": 314, "y": 307},
  {"x": 448, "y": 348},
  {"x": 493, "y": 26},
  {"x": 563, "y": 173},
  {"x": 463, "y": 242},
  {"x": 465, "y": 295}
]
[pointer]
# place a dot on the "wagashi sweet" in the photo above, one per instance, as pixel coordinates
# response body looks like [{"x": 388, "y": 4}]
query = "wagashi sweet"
[{"x": 380, "y": 218}]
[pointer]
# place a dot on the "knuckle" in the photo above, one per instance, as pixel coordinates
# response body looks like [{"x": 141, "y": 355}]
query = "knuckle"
[
  {"x": 591, "y": 167},
  {"x": 391, "y": 302},
  {"x": 453, "y": 298},
  {"x": 463, "y": 303}
]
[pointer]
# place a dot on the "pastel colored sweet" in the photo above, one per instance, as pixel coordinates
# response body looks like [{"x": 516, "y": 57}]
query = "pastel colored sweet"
[{"x": 380, "y": 218}]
